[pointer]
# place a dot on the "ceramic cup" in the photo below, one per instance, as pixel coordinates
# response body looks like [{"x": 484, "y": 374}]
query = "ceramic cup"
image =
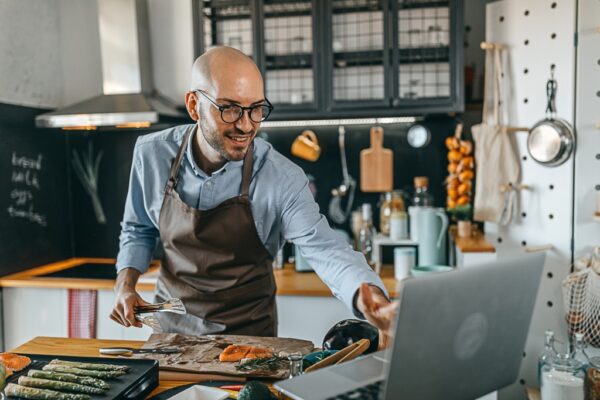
[{"x": 404, "y": 261}]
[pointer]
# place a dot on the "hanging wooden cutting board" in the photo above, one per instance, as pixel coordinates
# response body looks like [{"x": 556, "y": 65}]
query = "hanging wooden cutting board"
[{"x": 376, "y": 165}]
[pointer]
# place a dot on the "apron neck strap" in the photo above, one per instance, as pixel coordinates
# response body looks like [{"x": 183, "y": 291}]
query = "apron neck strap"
[
  {"x": 247, "y": 171},
  {"x": 176, "y": 163}
]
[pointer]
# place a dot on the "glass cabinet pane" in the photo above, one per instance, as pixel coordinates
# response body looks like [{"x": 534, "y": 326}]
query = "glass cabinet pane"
[
  {"x": 288, "y": 41},
  {"x": 424, "y": 49},
  {"x": 357, "y": 44},
  {"x": 228, "y": 23}
]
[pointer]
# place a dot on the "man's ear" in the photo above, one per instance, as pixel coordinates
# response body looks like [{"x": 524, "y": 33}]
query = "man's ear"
[{"x": 191, "y": 104}]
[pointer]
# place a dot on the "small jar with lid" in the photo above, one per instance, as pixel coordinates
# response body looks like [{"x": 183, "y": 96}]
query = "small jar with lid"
[
  {"x": 562, "y": 378},
  {"x": 592, "y": 379},
  {"x": 391, "y": 202}
]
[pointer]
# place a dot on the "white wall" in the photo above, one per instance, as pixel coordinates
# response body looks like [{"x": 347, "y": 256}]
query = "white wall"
[{"x": 30, "y": 65}]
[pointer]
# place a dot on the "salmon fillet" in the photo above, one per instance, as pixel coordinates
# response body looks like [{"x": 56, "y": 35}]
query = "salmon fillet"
[
  {"x": 236, "y": 352},
  {"x": 14, "y": 362}
]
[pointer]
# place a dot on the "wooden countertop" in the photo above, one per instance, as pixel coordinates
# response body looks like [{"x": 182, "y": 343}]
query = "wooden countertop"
[
  {"x": 289, "y": 282},
  {"x": 474, "y": 244},
  {"x": 84, "y": 348}
]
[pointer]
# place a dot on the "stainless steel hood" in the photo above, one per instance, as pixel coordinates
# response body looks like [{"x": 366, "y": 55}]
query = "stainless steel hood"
[{"x": 129, "y": 98}]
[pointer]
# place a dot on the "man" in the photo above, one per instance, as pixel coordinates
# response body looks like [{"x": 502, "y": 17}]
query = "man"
[{"x": 222, "y": 203}]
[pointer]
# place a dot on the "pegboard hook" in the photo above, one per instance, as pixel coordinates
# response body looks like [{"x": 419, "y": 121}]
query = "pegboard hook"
[
  {"x": 537, "y": 249},
  {"x": 505, "y": 187},
  {"x": 492, "y": 46}
]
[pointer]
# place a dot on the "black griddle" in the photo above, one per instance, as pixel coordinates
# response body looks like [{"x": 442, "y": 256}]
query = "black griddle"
[{"x": 140, "y": 380}]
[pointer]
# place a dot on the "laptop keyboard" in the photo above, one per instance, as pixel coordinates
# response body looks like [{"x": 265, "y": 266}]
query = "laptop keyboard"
[{"x": 369, "y": 392}]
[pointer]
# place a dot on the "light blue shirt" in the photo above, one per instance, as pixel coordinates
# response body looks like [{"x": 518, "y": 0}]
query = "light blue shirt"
[{"x": 282, "y": 205}]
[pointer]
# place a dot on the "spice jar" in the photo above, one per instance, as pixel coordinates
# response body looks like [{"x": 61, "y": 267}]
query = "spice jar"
[
  {"x": 592, "y": 380},
  {"x": 391, "y": 202},
  {"x": 562, "y": 378}
]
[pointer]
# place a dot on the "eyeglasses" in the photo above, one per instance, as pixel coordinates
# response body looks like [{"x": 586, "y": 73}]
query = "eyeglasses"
[{"x": 231, "y": 113}]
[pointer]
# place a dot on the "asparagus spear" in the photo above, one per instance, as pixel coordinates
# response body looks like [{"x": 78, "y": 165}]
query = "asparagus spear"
[
  {"x": 94, "y": 366},
  {"x": 83, "y": 372},
  {"x": 57, "y": 376},
  {"x": 57, "y": 385},
  {"x": 41, "y": 394}
]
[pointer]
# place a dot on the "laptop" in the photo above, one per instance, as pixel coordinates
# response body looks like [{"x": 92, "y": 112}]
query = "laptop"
[{"x": 459, "y": 335}]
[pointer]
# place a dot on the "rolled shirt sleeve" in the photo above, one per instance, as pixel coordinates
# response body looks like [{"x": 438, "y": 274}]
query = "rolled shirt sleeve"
[
  {"x": 327, "y": 252},
  {"x": 139, "y": 235}
]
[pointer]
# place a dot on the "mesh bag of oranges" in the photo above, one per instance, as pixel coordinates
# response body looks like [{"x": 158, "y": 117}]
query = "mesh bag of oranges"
[{"x": 461, "y": 164}]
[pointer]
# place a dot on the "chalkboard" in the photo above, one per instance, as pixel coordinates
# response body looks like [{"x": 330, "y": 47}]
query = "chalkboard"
[{"x": 34, "y": 200}]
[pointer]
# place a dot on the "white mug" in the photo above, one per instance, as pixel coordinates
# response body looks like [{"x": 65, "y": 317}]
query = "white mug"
[{"x": 404, "y": 261}]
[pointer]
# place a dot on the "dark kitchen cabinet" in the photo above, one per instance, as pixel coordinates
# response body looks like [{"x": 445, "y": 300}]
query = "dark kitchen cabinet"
[{"x": 345, "y": 58}]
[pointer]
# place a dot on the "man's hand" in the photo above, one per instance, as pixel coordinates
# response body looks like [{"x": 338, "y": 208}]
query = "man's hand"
[
  {"x": 127, "y": 298},
  {"x": 378, "y": 310}
]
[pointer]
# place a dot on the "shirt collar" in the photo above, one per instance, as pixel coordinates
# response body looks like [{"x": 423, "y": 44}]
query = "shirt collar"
[{"x": 189, "y": 153}]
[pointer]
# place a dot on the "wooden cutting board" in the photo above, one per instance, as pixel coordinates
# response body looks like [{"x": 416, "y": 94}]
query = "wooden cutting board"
[
  {"x": 200, "y": 354},
  {"x": 376, "y": 165}
]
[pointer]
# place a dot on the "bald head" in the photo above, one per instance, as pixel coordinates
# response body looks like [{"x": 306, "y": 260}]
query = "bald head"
[{"x": 220, "y": 64}]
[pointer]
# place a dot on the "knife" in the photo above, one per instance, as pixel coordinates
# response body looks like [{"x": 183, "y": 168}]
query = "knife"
[{"x": 128, "y": 351}]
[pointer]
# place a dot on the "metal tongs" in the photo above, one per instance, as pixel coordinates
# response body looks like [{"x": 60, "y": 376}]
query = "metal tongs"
[{"x": 172, "y": 305}]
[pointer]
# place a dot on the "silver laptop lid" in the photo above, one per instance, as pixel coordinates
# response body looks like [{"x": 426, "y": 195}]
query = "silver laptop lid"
[{"x": 461, "y": 334}]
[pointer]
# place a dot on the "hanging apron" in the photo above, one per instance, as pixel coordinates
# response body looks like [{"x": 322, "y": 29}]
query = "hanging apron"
[{"x": 215, "y": 262}]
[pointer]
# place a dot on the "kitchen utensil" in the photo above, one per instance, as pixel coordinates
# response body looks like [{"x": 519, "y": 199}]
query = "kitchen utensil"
[
  {"x": 336, "y": 213},
  {"x": 141, "y": 378},
  {"x": 172, "y": 305},
  {"x": 376, "y": 165},
  {"x": 551, "y": 141},
  {"x": 432, "y": 225},
  {"x": 306, "y": 146},
  {"x": 127, "y": 351},
  {"x": 335, "y": 358},
  {"x": 350, "y": 331},
  {"x": 359, "y": 347}
]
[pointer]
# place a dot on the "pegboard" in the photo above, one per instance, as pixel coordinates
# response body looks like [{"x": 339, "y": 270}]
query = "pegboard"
[
  {"x": 538, "y": 34},
  {"x": 587, "y": 161}
]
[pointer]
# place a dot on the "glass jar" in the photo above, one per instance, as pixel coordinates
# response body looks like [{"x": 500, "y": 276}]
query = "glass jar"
[
  {"x": 390, "y": 202},
  {"x": 562, "y": 378},
  {"x": 592, "y": 380}
]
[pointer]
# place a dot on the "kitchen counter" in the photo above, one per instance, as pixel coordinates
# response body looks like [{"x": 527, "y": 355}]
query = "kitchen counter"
[
  {"x": 85, "y": 348},
  {"x": 289, "y": 282},
  {"x": 477, "y": 243}
]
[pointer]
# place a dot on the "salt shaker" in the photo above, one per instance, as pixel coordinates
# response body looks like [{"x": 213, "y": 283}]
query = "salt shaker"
[{"x": 295, "y": 364}]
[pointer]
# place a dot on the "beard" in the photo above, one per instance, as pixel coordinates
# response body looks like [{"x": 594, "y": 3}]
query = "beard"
[{"x": 224, "y": 143}]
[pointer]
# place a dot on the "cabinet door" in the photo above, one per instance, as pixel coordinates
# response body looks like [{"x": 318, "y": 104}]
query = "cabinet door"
[
  {"x": 427, "y": 55},
  {"x": 229, "y": 23},
  {"x": 289, "y": 61},
  {"x": 359, "y": 64}
]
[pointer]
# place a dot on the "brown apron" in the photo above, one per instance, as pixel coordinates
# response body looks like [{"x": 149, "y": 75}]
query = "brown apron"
[{"x": 215, "y": 262}]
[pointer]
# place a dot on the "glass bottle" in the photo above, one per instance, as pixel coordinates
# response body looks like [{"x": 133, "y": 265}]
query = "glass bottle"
[
  {"x": 366, "y": 233},
  {"x": 562, "y": 378},
  {"x": 548, "y": 353},
  {"x": 391, "y": 202},
  {"x": 579, "y": 353},
  {"x": 422, "y": 197}
]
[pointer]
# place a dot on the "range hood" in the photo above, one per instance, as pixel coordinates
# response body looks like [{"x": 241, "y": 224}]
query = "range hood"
[{"x": 129, "y": 98}]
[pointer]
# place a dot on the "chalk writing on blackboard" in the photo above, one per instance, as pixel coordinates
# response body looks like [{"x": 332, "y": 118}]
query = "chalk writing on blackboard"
[{"x": 24, "y": 176}]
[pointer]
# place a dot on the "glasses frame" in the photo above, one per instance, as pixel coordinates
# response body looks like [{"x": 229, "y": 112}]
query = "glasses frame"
[{"x": 222, "y": 108}]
